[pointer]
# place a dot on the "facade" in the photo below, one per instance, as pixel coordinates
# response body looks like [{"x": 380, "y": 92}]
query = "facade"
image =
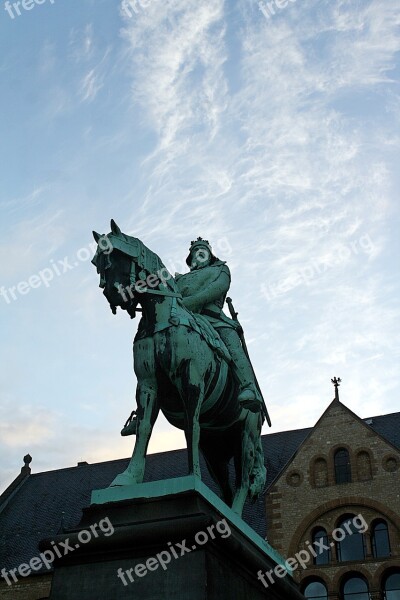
[
  {"x": 337, "y": 479},
  {"x": 339, "y": 498}
]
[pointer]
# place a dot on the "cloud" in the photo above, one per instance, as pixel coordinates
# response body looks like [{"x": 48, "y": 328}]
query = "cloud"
[
  {"x": 37, "y": 431},
  {"x": 93, "y": 80},
  {"x": 25, "y": 425},
  {"x": 91, "y": 85},
  {"x": 31, "y": 242},
  {"x": 178, "y": 53},
  {"x": 291, "y": 173},
  {"x": 82, "y": 43},
  {"x": 278, "y": 136}
]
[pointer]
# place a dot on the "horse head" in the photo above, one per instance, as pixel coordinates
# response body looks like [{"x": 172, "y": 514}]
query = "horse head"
[
  {"x": 126, "y": 266},
  {"x": 115, "y": 263}
]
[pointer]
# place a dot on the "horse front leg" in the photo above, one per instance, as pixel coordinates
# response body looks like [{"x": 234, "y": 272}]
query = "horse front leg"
[
  {"x": 147, "y": 412},
  {"x": 193, "y": 396}
]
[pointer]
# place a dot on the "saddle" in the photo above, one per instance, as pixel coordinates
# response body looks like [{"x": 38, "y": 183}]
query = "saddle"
[{"x": 194, "y": 321}]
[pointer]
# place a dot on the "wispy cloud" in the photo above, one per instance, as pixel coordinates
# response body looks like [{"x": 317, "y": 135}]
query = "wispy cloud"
[
  {"x": 81, "y": 43},
  {"x": 289, "y": 176},
  {"x": 31, "y": 242},
  {"x": 93, "y": 81},
  {"x": 279, "y": 136},
  {"x": 25, "y": 426},
  {"x": 91, "y": 85},
  {"x": 178, "y": 53}
]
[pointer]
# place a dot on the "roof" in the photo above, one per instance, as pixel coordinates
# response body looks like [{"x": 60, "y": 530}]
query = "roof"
[{"x": 46, "y": 500}]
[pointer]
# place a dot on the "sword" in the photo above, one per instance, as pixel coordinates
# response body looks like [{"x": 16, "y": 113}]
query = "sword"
[{"x": 234, "y": 316}]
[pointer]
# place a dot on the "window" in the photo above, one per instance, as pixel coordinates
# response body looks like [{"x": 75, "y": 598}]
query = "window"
[
  {"x": 342, "y": 466},
  {"x": 352, "y": 544},
  {"x": 392, "y": 587},
  {"x": 320, "y": 539},
  {"x": 320, "y": 473},
  {"x": 355, "y": 588},
  {"x": 315, "y": 590},
  {"x": 380, "y": 539}
]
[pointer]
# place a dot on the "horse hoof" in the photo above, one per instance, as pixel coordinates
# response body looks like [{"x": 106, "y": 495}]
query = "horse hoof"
[{"x": 123, "y": 479}]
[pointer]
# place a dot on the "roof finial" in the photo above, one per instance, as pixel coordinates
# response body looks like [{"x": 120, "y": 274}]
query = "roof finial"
[
  {"x": 336, "y": 382},
  {"x": 26, "y": 469}
]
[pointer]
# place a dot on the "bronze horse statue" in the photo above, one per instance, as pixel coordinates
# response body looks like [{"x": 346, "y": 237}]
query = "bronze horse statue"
[{"x": 180, "y": 372}]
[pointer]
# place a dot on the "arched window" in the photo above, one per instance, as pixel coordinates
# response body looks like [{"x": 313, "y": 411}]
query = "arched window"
[
  {"x": 380, "y": 539},
  {"x": 320, "y": 473},
  {"x": 355, "y": 588},
  {"x": 391, "y": 587},
  {"x": 321, "y": 546},
  {"x": 315, "y": 590},
  {"x": 350, "y": 543},
  {"x": 364, "y": 468},
  {"x": 342, "y": 466}
]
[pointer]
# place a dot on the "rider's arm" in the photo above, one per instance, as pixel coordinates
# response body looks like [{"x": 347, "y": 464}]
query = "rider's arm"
[{"x": 215, "y": 288}]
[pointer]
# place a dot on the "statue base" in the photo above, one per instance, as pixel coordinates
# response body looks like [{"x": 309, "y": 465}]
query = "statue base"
[{"x": 171, "y": 539}]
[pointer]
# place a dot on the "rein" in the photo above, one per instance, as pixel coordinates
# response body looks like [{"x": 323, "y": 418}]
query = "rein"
[
  {"x": 174, "y": 320},
  {"x": 161, "y": 293}
]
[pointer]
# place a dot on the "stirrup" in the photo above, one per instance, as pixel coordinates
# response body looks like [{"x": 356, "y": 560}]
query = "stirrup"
[
  {"x": 130, "y": 426},
  {"x": 253, "y": 406},
  {"x": 249, "y": 399}
]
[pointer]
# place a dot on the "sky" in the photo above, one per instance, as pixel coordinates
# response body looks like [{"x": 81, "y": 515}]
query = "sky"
[{"x": 272, "y": 130}]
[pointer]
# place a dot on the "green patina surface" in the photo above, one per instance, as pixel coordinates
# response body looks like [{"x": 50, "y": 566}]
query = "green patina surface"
[
  {"x": 180, "y": 485},
  {"x": 190, "y": 360}
]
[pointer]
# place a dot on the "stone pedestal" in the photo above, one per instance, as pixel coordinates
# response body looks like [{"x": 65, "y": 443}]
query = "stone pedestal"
[{"x": 172, "y": 540}]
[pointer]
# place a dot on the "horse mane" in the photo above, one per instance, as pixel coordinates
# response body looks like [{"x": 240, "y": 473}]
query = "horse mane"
[{"x": 151, "y": 263}]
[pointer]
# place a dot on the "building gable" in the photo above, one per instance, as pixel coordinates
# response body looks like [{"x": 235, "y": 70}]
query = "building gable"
[
  {"x": 309, "y": 486},
  {"x": 338, "y": 427}
]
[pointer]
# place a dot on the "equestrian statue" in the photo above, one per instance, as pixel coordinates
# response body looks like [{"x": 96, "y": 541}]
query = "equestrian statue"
[{"x": 190, "y": 361}]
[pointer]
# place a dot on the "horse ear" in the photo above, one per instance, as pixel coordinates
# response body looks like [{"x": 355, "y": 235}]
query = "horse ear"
[
  {"x": 114, "y": 228},
  {"x": 96, "y": 236}
]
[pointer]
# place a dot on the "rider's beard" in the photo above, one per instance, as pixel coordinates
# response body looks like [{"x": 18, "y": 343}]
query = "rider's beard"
[{"x": 199, "y": 264}]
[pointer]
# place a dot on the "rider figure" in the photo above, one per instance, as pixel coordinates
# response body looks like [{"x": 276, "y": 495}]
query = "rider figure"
[{"x": 204, "y": 290}]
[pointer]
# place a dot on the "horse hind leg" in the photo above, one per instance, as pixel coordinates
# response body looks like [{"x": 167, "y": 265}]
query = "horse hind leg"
[
  {"x": 148, "y": 409},
  {"x": 192, "y": 431},
  {"x": 245, "y": 459},
  {"x": 192, "y": 393},
  {"x": 219, "y": 471},
  {"x": 259, "y": 472}
]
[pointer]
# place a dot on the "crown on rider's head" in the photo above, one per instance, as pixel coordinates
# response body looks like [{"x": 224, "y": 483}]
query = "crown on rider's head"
[{"x": 199, "y": 243}]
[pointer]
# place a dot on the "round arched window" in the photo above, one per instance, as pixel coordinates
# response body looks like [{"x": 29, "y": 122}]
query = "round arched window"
[
  {"x": 350, "y": 544},
  {"x": 315, "y": 590},
  {"x": 342, "y": 466},
  {"x": 391, "y": 587},
  {"x": 355, "y": 588},
  {"x": 380, "y": 539},
  {"x": 321, "y": 546}
]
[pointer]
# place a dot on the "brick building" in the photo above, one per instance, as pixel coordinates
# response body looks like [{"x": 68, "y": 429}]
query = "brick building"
[
  {"x": 345, "y": 467},
  {"x": 319, "y": 479}
]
